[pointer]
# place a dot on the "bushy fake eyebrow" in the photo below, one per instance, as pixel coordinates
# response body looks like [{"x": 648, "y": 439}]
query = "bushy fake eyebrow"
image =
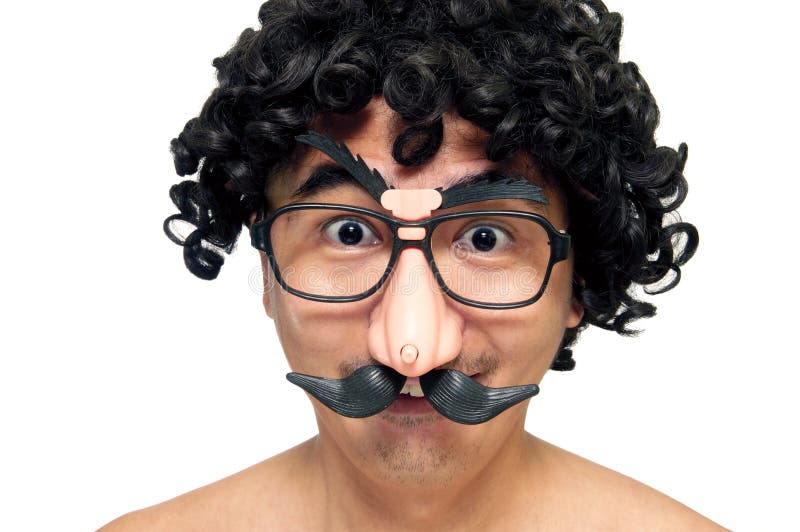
[
  {"x": 490, "y": 185},
  {"x": 370, "y": 180},
  {"x": 486, "y": 185}
]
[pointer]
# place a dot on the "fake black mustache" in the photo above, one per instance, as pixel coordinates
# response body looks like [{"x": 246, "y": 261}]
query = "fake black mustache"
[{"x": 371, "y": 389}]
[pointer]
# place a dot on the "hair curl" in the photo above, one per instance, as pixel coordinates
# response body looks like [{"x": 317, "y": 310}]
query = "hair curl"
[{"x": 541, "y": 76}]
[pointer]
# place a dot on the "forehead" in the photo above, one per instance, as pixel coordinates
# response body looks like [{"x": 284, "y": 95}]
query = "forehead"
[{"x": 372, "y": 131}]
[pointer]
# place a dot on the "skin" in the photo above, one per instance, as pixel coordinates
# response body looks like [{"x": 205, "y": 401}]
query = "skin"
[{"x": 421, "y": 472}]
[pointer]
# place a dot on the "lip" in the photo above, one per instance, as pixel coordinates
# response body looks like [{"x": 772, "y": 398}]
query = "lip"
[{"x": 406, "y": 405}]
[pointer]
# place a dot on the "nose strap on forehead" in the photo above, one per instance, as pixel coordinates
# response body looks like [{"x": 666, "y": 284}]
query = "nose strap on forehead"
[{"x": 411, "y": 204}]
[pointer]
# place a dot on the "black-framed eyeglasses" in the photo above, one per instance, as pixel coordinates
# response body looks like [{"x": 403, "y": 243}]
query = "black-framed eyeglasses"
[{"x": 340, "y": 253}]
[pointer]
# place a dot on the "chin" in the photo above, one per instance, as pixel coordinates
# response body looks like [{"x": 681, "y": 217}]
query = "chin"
[{"x": 420, "y": 450}]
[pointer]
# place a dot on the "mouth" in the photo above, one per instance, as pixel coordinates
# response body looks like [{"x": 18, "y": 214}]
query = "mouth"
[{"x": 411, "y": 399}]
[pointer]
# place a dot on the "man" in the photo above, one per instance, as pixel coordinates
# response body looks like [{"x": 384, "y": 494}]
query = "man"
[{"x": 443, "y": 195}]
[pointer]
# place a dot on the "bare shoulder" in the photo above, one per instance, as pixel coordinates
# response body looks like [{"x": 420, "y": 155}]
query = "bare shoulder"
[
  {"x": 609, "y": 500},
  {"x": 260, "y": 495}
]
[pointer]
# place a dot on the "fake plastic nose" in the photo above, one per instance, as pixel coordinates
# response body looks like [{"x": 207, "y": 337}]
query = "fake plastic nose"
[{"x": 412, "y": 329}]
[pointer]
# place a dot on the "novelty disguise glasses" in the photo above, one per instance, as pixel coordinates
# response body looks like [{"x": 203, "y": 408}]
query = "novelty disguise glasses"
[
  {"x": 339, "y": 253},
  {"x": 497, "y": 259}
]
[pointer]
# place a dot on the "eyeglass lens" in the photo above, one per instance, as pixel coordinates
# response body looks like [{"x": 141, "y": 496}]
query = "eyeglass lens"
[{"x": 332, "y": 252}]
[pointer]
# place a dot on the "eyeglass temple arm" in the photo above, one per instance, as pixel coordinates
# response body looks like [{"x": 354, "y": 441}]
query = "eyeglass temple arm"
[
  {"x": 560, "y": 244},
  {"x": 258, "y": 239}
]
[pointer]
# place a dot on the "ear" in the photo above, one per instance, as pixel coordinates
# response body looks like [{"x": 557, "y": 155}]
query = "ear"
[
  {"x": 265, "y": 276},
  {"x": 576, "y": 306},
  {"x": 265, "y": 273},
  {"x": 575, "y": 313}
]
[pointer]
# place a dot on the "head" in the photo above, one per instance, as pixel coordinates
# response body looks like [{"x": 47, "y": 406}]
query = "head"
[{"x": 427, "y": 93}]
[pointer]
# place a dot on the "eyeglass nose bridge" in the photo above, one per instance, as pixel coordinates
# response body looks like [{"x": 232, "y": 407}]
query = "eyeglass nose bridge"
[{"x": 412, "y": 233}]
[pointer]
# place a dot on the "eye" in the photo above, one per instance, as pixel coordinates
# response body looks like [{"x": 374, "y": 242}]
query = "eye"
[
  {"x": 350, "y": 232},
  {"x": 483, "y": 239}
]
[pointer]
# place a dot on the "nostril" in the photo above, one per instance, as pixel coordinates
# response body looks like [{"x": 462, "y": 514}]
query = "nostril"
[{"x": 409, "y": 353}]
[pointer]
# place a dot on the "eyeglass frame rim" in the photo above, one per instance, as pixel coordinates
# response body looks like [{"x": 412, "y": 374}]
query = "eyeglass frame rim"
[{"x": 260, "y": 238}]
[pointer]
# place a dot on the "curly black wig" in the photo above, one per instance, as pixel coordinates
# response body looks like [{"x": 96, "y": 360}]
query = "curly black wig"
[{"x": 541, "y": 76}]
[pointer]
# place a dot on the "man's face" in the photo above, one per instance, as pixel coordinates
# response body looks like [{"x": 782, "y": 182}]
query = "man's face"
[{"x": 409, "y": 441}]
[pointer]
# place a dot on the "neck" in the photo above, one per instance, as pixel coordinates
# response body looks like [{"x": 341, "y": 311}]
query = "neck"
[{"x": 433, "y": 483}]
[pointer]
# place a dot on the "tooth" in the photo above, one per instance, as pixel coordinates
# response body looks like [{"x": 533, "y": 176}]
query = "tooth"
[{"x": 414, "y": 390}]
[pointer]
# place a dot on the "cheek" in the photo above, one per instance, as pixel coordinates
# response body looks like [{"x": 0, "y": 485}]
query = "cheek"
[
  {"x": 525, "y": 339},
  {"x": 318, "y": 337},
  {"x": 313, "y": 335}
]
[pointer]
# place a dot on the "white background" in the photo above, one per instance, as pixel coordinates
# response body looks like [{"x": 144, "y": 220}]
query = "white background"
[{"x": 125, "y": 381}]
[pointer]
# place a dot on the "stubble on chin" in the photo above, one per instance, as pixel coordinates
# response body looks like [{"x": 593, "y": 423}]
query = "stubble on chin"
[
  {"x": 420, "y": 462},
  {"x": 410, "y": 421}
]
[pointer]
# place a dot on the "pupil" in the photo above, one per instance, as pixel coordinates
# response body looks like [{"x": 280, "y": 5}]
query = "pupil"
[
  {"x": 484, "y": 239},
  {"x": 350, "y": 234}
]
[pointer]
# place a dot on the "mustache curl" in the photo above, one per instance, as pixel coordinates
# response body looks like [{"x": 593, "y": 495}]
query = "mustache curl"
[{"x": 371, "y": 389}]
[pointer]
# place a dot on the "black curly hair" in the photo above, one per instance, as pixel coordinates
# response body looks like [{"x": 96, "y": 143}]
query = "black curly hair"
[{"x": 540, "y": 76}]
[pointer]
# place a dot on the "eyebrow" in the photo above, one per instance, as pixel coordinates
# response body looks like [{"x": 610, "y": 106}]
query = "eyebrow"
[
  {"x": 324, "y": 177},
  {"x": 488, "y": 184}
]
